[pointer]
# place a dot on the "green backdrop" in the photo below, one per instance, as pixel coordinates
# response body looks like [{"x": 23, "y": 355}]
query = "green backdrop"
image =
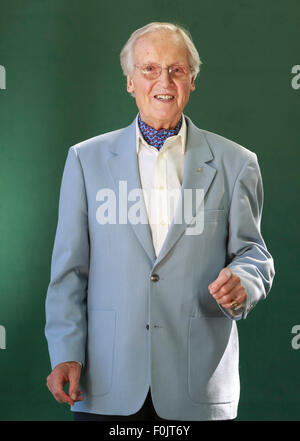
[{"x": 64, "y": 84}]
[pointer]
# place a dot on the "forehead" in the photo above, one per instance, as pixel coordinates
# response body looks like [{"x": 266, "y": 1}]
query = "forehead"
[{"x": 162, "y": 47}]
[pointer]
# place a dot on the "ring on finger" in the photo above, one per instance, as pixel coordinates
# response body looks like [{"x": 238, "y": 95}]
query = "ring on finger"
[{"x": 234, "y": 305}]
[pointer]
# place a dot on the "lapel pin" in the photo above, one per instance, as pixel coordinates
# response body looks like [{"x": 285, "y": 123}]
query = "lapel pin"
[{"x": 199, "y": 169}]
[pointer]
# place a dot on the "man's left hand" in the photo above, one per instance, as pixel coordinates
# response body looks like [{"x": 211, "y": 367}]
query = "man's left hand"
[{"x": 228, "y": 290}]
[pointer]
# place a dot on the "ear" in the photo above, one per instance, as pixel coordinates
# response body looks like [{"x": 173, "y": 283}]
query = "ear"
[
  {"x": 130, "y": 85},
  {"x": 193, "y": 87}
]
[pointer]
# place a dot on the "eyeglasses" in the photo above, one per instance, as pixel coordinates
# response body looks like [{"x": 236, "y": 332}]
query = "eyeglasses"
[{"x": 153, "y": 71}]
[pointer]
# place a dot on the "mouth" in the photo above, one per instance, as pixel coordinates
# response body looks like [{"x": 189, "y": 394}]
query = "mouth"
[{"x": 164, "y": 98}]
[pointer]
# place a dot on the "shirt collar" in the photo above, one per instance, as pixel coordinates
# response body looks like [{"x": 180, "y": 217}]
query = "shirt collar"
[{"x": 181, "y": 133}]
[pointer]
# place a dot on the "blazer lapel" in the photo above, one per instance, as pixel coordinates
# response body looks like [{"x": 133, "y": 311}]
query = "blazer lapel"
[
  {"x": 123, "y": 166},
  {"x": 197, "y": 175}
]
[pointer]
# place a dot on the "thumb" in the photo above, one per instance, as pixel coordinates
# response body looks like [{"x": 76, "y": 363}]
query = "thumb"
[
  {"x": 223, "y": 277},
  {"x": 225, "y": 274},
  {"x": 73, "y": 383}
]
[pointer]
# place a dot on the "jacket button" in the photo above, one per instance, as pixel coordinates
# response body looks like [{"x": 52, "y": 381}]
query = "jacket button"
[
  {"x": 155, "y": 277},
  {"x": 147, "y": 326}
]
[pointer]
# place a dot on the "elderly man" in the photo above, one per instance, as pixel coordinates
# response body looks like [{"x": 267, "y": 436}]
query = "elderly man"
[{"x": 144, "y": 297}]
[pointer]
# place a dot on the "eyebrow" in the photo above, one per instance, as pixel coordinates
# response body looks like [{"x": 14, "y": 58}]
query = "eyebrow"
[{"x": 154, "y": 62}]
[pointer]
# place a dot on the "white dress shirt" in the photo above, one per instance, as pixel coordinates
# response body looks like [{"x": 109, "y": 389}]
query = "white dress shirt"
[{"x": 161, "y": 174}]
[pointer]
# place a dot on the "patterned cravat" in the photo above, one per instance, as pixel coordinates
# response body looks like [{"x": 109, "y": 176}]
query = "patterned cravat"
[{"x": 157, "y": 137}]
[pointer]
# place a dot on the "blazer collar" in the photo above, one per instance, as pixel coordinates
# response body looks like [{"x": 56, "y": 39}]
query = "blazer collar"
[{"x": 127, "y": 140}]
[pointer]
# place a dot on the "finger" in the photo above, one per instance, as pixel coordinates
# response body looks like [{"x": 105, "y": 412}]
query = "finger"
[
  {"x": 79, "y": 397},
  {"x": 56, "y": 389},
  {"x": 76, "y": 396},
  {"x": 62, "y": 397},
  {"x": 223, "y": 277},
  {"x": 74, "y": 376},
  {"x": 236, "y": 295},
  {"x": 231, "y": 296},
  {"x": 225, "y": 289}
]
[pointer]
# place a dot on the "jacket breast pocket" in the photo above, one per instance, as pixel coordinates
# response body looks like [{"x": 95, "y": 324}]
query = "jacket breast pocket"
[
  {"x": 213, "y": 360},
  {"x": 205, "y": 220},
  {"x": 97, "y": 373},
  {"x": 213, "y": 215}
]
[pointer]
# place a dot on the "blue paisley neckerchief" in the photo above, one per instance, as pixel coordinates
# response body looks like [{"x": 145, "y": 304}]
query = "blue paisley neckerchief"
[{"x": 157, "y": 137}]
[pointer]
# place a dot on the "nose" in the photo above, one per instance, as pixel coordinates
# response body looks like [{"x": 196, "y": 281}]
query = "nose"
[{"x": 165, "y": 78}]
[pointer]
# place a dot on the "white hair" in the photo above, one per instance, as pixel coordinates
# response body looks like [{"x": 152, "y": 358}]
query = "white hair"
[{"x": 127, "y": 57}]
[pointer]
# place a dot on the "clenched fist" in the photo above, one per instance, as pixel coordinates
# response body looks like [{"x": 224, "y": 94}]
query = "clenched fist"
[{"x": 228, "y": 290}]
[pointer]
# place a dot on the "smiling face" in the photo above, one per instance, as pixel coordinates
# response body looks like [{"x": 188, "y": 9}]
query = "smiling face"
[{"x": 162, "y": 100}]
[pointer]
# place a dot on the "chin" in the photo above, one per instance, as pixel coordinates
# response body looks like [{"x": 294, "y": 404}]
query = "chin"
[{"x": 165, "y": 115}]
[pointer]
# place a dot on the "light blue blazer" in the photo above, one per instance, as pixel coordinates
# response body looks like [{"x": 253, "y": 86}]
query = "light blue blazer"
[{"x": 136, "y": 320}]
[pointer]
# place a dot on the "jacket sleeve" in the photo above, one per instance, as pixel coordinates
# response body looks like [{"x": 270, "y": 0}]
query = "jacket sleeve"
[
  {"x": 66, "y": 325},
  {"x": 247, "y": 254}
]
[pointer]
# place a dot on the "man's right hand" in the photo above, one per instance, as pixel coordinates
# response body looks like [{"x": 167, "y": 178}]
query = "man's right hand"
[{"x": 63, "y": 373}]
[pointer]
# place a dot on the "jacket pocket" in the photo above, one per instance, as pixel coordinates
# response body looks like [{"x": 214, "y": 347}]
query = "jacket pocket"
[
  {"x": 213, "y": 360},
  {"x": 97, "y": 374},
  {"x": 213, "y": 215}
]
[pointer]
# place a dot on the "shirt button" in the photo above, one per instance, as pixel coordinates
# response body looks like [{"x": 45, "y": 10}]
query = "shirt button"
[
  {"x": 155, "y": 277},
  {"x": 147, "y": 326}
]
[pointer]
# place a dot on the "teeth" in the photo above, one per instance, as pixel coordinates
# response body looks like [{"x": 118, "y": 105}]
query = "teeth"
[{"x": 164, "y": 97}]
